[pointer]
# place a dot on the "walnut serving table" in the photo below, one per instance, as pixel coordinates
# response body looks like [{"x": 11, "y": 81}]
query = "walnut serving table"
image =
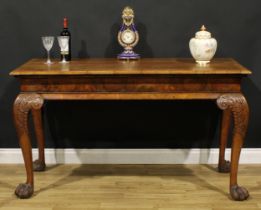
[{"x": 146, "y": 79}]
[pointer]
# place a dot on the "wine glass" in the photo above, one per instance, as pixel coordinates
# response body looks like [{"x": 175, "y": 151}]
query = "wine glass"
[
  {"x": 64, "y": 45},
  {"x": 48, "y": 44}
]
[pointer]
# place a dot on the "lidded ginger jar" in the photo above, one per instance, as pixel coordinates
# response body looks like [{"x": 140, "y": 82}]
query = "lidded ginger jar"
[{"x": 203, "y": 47}]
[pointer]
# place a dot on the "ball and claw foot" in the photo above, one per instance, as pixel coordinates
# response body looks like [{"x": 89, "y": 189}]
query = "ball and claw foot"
[
  {"x": 239, "y": 193},
  {"x": 39, "y": 165},
  {"x": 24, "y": 191},
  {"x": 224, "y": 168}
]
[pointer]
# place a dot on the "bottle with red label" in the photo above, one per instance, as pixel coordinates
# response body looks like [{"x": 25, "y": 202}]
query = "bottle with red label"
[{"x": 66, "y": 32}]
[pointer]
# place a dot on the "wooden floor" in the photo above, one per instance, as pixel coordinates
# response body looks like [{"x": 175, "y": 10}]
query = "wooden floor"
[{"x": 137, "y": 187}]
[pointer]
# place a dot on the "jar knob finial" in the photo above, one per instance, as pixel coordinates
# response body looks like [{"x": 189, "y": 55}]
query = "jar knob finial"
[{"x": 203, "y": 28}]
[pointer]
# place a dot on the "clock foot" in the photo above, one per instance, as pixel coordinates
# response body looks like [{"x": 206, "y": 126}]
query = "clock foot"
[{"x": 128, "y": 55}]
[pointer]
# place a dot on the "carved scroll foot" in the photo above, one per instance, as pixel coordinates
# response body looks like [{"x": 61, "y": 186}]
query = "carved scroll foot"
[
  {"x": 239, "y": 193},
  {"x": 24, "y": 191},
  {"x": 38, "y": 165},
  {"x": 224, "y": 167}
]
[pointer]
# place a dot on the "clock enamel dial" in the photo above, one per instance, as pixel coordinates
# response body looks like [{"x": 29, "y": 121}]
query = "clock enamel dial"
[{"x": 128, "y": 37}]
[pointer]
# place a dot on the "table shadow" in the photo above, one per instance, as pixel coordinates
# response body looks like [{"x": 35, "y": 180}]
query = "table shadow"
[{"x": 178, "y": 172}]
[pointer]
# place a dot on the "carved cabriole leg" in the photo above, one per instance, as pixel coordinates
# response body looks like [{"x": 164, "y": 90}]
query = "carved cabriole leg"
[
  {"x": 23, "y": 104},
  {"x": 223, "y": 165},
  {"x": 238, "y": 106},
  {"x": 39, "y": 164}
]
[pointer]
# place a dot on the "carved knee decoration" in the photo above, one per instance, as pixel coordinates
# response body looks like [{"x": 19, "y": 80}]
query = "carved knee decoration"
[
  {"x": 238, "y": 105},
  {"x": 22, "y": 106}
]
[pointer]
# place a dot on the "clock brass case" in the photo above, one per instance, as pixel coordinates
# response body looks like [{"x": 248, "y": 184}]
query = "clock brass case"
[{"x": 128, "y": 36}]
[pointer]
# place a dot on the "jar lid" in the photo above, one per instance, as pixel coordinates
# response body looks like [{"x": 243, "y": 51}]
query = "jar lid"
[{"x": 203, "y": 33}]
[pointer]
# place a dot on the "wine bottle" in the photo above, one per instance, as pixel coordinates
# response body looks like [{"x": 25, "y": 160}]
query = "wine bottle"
[{"x": 66, "y": 32}]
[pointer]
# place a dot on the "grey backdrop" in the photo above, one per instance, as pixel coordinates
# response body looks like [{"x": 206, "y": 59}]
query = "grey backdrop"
[{"x": 165, "y": 28}]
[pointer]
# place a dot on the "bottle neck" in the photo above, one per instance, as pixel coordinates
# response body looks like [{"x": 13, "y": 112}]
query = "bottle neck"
[{"x": 65, "y": 23}]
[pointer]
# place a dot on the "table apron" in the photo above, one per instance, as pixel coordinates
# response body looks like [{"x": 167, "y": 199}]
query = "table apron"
[{"x": 132, "y": 85}]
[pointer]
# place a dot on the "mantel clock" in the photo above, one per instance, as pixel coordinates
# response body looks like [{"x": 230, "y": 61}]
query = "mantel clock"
[{"x": 128, "y": 36}]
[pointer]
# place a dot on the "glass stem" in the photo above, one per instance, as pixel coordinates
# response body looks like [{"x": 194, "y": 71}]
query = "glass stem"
[
  {"x": 64, "y": 58},
  {"x": 48, "y": 57}
]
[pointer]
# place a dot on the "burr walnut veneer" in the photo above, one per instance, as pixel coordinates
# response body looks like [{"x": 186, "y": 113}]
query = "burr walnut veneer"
[{"x": 145, "y": 79}]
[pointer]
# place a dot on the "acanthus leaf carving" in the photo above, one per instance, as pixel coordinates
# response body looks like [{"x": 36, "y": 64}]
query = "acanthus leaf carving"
[
  {"x": 237, "y": 104},
  {"x": 22, "y": 106}
]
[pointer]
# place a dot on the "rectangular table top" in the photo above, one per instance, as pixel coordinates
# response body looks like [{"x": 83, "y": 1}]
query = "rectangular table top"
[{"x": 146, "y": 66}]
